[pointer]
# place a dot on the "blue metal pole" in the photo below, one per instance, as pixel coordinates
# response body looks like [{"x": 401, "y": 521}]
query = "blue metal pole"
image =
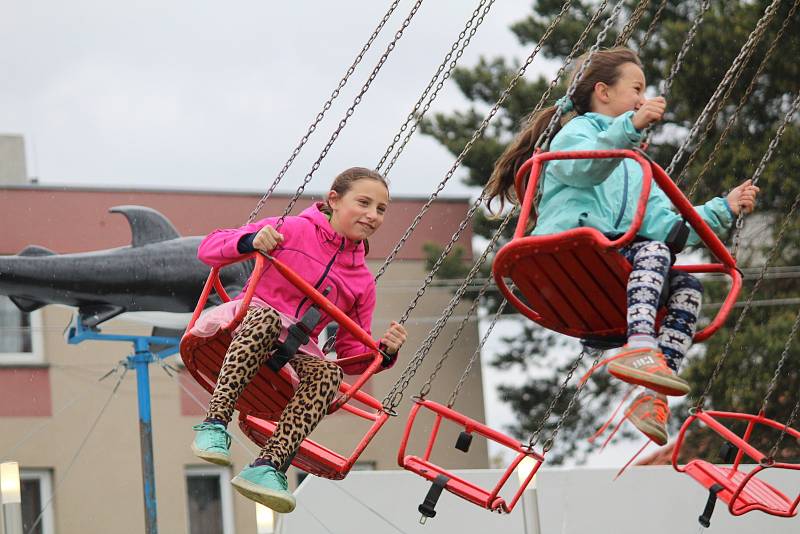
[{"x": 141, "y": 362}]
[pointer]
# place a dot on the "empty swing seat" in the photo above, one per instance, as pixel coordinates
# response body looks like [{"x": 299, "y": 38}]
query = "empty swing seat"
[
  {"x": 574, "y": 282},
  {"x": 742, "y": 491},
  {"x": 488, "y": 498}
]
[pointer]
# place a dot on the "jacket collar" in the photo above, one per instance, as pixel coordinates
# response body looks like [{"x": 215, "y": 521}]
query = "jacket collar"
[{"x": 354, "y": 249}]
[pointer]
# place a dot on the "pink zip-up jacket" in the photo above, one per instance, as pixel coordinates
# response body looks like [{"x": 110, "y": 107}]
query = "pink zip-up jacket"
[{"x": 322, "y": 257}]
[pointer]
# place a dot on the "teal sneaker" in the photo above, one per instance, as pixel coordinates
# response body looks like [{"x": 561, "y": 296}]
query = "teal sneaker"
[
  {"x": 212, "y": 443},
  {"x": 266, "y": 485}
]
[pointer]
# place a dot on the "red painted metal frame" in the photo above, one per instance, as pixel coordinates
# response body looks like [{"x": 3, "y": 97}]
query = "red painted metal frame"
[
  {"x": 268, "y": 392},
  {"x": 523, "y": 246},
  {"x": 742, "y": 491},
  {"x": 485, "y": 498},
  {"x": 312, "y": 457}
]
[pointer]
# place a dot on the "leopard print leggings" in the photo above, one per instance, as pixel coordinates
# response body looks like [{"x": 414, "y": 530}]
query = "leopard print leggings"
[{"x": 249, "y": 350}]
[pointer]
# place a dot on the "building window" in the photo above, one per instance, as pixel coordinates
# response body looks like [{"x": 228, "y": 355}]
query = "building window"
[
  {"x": 209, "y": 500},
  {"x": 20, "y": 335},
  {"x": 37, "y": 492}
]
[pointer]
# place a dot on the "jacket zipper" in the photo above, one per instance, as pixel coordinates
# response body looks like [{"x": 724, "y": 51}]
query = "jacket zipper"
[
  {"x": 321, "y": 278},
  {"x": 624, "y": 197}
]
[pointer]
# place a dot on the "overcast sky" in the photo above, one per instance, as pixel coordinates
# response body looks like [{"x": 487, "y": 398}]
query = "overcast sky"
[{"x": 214, "y": 95}]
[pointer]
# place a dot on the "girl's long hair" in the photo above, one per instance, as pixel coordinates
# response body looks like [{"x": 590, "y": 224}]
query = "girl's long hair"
[
  {"x": 344, "y": 182},
  {"x": 604, "y": 67}
]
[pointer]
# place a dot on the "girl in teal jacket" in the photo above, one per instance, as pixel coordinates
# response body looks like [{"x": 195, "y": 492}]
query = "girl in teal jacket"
[{"x": 608, "y": 110}]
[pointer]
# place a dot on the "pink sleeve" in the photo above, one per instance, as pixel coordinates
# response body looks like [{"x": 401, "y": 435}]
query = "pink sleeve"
[
  {"x": 221, "y": 246},
  {"x": 346, "y": 344}
]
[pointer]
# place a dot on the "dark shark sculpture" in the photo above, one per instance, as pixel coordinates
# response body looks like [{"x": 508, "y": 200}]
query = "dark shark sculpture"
[{"x": 158, "y": 272}]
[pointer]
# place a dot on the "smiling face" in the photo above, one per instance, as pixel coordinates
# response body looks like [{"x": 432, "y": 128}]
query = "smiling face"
[
  {"x": 626, "y": 94},
  {"x": 359, "y": 212}
]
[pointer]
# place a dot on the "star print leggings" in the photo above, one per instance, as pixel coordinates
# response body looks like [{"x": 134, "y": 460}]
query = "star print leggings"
[{"x": 651, "y": 262}]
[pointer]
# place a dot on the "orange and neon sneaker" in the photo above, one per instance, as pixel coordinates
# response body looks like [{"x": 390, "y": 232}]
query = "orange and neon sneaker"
[
  {"x": 649, "y": 413},
  {"x": 647, "y": 367}
]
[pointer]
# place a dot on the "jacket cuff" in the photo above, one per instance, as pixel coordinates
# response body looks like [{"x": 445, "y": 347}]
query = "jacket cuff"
[
  {"x": 245, "y": 244},
  {"x": 631, "y": 133}
]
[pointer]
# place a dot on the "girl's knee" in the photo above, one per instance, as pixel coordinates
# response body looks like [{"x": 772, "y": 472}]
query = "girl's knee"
[
  {"x": 654, "y": 248},
  {"x": 683, "y": 280}
]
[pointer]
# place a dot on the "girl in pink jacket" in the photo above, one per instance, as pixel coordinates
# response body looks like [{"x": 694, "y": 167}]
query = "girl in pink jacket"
[{"x": 326, "y": 245}]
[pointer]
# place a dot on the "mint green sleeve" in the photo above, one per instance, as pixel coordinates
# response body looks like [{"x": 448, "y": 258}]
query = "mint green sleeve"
[
  {"x": 581, "y": 134},
  {"x": 717, "y": 214}
]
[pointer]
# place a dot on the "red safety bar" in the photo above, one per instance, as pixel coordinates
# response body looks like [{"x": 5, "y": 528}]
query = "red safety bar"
[
  {"x": 313, "y": 457},
  {"x": 574, "y": 282},
  {"x": 741, "y": 490},
  {"x": 485, "y": 498},
  {"x": 267, "y": 394}
]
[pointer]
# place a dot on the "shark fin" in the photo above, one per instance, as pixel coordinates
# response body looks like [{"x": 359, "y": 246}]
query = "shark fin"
[
  {"x": 36, "y": 250},
  {"x": 92, "y": 315},
  {"x": 147, "y": 225},
  {"x": 26, "y": 305}
]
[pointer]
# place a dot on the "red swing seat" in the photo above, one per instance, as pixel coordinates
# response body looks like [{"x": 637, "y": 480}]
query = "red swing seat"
[
  {"x": 488, "y": 498},
  {"x": 267, "y": 394},
  {"x": 741, "y": 491},
  {"x": 312, "y": 457},
  {"x": 574, "y": 282}
]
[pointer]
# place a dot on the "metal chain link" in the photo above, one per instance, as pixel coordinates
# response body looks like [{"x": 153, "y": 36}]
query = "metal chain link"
[
  {"x": 729, "y": 343},
  {"x": 714, "y": 102},
  {"x": 762, "y": 165},
  {"x": 427, "y": 386},
  {"x": 781, "y": 362},
  {"x": 788, "y": 424},
  {"x": 351, "y": 110},
  {"x": 457, "y": 47},
  {"x": 678, "y": 63},
  {"x": 710, "y": 123},
  {"x": 626, "y": 33},
  {"x": 742, "y": 101},
  {"x": 551, "y": 440},
  {"x": 395, "y": 395},
  {"x": 325, "y": 107},
  {"x": 556, "y": 118},
  {"x": 478, "y": 132},
  {"x": 454, "y": 395},
  {"x": 653, "y": 23}
]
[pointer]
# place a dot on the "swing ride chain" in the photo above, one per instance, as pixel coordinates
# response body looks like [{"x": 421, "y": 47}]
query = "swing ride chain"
[
  {"x": 351, "y": 110},
  {"x": 740, "y": 320},
  {"x": 436, "y": 91},
  {"x": 626, "y": 33},
  {"x": 548, "y": 132},
  {"x": 521, "y": 72},
  {"x": 760, "y": 170},
  {"x": 437, "y": 328},
  {"x": 784, "y": 356},
  {"x": 653, "y": 23},
  {"x": 395, "y": 396},
  {"x": 676, "y": 66},
  {"x": 325, "y": 108},
  {"x": 455, "y": 46},
  {"x": 452, "y": 400},
  {"x": 714, "y": 102},
  {"x": 710, "y": 122},
  {"x": 742, "y": 101},
  {"x": 788, "y": 425}
]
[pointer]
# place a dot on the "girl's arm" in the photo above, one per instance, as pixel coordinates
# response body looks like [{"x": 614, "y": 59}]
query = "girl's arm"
[
  {"x": 222, "y": 245},
  {"x": 662, "y": 217},
  {"x": 582, "y": 134}
]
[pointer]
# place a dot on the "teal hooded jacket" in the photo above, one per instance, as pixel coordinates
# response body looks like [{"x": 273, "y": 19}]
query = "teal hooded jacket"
[{"x": 603, "y": 193}]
